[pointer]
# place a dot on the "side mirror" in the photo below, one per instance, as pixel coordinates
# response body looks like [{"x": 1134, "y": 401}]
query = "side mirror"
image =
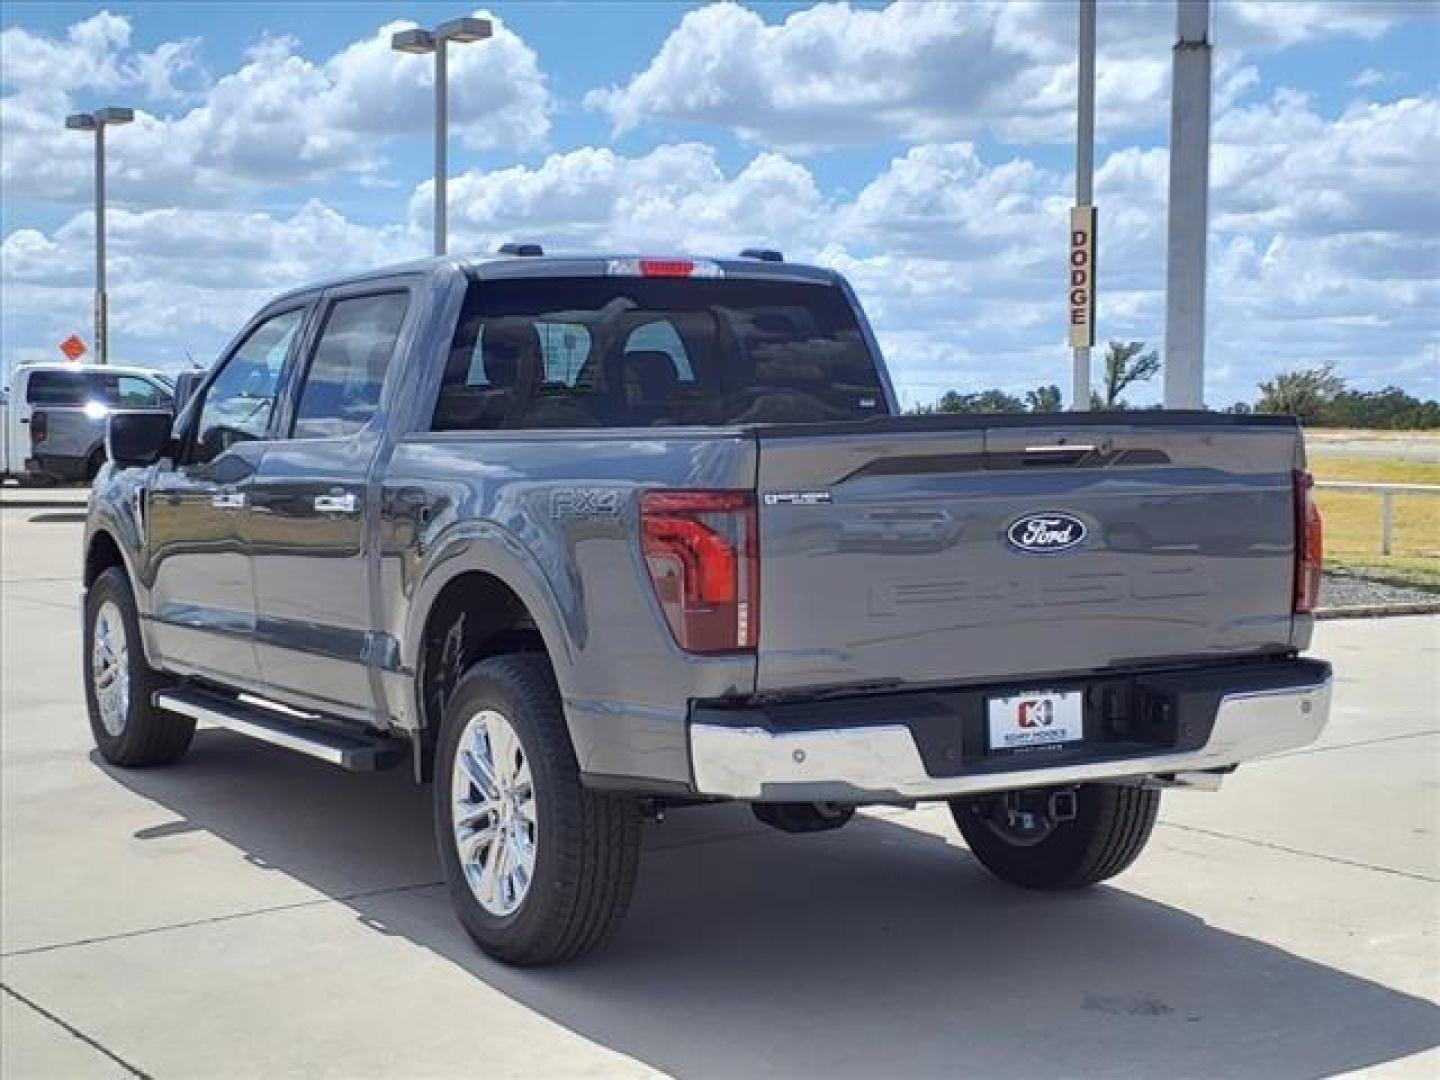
[
  {"x": 186, "y": 383},
  {"x": 134, "y": 440}
]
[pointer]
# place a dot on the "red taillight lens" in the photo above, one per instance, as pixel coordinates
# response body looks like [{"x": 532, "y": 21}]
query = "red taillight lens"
[
  {"x": 667, "y": 267},
  {"x": 702, "y": 551},
  {"x": 1309, "y": 544},
  {"x": 39, "y": 427}
]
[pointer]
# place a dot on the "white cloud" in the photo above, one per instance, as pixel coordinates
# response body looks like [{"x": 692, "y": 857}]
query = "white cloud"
[
  {"x": 279, "y": 119},
  {"x": 95, "y": 55},
  {"x": 1325, "y": 242},
  {"x": 1267, "y": 24},
  {"x": 828, "y": 74},
  {"x": 498, "y": 96},
  {"x": 1282, "y": 166},
  {"x": 1372, "y": 77},
  {"x": 673, "y": 196},
  {"x": 919, "y": 72},
  {"x": 179, "y": 279}
]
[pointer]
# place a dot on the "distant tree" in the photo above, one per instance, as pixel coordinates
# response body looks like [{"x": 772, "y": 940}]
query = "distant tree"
[
  {"x": 1391, "y": 408},
  {"x": 1043, "y": 399},
  {"x": 1240, "y": 408},
  {"x": 1305, "y": 393},
  {"x": 1126, "y": 363},
  {"x": 984, "y": 401}
]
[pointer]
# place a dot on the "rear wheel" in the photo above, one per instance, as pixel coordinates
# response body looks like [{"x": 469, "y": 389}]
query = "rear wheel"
[
  {"x": 540, "y": 868},
  {"x": 1058, "y": 839},
  {"x": 119, "y": 685}
]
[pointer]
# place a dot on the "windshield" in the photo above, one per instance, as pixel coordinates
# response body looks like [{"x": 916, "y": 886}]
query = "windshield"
[{"x": 655, "y": 352}]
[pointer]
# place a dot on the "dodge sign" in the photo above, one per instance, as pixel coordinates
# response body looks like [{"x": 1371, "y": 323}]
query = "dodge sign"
[{"x": 1082, "y": 277}]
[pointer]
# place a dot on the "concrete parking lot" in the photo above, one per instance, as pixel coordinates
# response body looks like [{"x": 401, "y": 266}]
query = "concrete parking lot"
[{"x": 253, "y": 913}]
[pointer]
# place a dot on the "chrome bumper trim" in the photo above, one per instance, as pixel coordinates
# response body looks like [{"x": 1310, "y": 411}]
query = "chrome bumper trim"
[{"x": 883, "y": 763}]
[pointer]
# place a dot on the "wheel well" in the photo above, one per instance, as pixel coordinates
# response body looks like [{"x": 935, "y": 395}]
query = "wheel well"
[
  {"x": 476, "y": 615},
  {"x": 103, "y": 553}
]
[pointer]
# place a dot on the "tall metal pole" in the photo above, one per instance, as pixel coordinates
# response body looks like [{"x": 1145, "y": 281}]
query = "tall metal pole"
[
  {"x": 1084, "y": 179},
  {"x": 418, "y": 42},
  {"x": 442, "y": 122},
  {"x": 1189, "y": 193},
  {"x": 102, "y": 343}
]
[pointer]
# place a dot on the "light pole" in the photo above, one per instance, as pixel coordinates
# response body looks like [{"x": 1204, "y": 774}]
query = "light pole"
[
  {"x": 419, "y": 42},
  {"x": 1082, "y": 217},
  {"x": 97, "y": 122},
  {"x": 1189, "y": 193}
]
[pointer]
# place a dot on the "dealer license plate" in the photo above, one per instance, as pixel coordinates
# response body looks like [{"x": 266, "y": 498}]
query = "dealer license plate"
[{"x": 1038, "y": 718}]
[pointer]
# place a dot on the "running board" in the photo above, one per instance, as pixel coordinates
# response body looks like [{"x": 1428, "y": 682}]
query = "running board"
[{"x": 352, "y": 752}]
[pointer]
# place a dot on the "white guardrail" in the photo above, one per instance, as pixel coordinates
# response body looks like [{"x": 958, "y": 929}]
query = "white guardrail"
[{"x": 1387, "y": 493}]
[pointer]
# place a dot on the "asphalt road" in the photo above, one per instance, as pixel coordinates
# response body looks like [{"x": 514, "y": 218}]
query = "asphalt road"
[{"x": 250, "y": 913}]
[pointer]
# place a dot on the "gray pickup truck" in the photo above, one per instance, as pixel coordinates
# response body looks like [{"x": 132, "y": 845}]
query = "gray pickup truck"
[{"x": 581, "y": 538}]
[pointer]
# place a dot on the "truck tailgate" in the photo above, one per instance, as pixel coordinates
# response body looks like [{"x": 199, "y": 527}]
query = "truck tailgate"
[{"x": 934, "y": 550}]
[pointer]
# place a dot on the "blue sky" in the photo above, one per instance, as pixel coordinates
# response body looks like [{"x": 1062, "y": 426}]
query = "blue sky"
[{"x": 923, "y": 149}]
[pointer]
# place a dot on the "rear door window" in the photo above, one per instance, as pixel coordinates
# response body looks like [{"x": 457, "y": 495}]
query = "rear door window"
[
  {"x": 655, "y": 352},
  {"x": 57, "y": 388},
  {"x": 347, "y": 371}
]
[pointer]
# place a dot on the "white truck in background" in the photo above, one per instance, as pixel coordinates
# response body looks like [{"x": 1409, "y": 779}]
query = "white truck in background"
[{"x": 54, "y": 415}]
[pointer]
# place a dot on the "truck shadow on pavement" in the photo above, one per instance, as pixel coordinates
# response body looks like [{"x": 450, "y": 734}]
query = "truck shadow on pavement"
[{"x": 877, "y": 951}]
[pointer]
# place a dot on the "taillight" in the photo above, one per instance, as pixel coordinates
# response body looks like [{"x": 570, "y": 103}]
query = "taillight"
[
  {"x": 1309, "y": 544},
  {"x": 702, "y": 551},
  {"x": 39, "y": 427}
]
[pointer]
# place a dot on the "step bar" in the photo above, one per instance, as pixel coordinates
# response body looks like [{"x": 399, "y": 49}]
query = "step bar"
[{"x": 269, "y": 724}]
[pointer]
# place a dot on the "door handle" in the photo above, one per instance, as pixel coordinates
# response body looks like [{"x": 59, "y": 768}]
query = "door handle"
[
  {"x": 336, "y": 504},
  {"x": 228, "y": 500}
]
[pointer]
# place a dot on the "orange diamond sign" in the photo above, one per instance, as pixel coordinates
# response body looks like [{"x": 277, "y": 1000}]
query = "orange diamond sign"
[{"x": 73, "y": 347}]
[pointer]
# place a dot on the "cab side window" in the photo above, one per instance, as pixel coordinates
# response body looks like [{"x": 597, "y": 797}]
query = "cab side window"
[
  {"x": 240, "y": 401},
  {"x": 343, "y": 383}
]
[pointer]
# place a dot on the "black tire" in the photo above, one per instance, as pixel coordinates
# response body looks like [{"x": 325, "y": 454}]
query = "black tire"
[
  {"x": 1111, "y": 826},
  {"x": 146, "y": 735},
  {"x": 586, "y": 844}
]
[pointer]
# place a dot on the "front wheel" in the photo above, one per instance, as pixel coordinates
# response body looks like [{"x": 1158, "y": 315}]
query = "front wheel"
[
  {"x": 119, "y": 685},
  {"x": 540, "y": 868},
  {"x": 1058, "y": 840}
]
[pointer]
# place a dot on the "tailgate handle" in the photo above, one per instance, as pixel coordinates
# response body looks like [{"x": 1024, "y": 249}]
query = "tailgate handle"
[{"x": 1068, "y": 454}]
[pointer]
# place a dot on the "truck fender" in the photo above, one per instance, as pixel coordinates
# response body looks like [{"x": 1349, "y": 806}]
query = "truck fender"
[{"x": 486, "y": 548}]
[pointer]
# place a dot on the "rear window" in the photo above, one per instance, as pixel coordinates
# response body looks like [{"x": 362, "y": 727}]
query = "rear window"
[
  {"x": 655, "y": 352},
  {"x": 88, "y": 386}
]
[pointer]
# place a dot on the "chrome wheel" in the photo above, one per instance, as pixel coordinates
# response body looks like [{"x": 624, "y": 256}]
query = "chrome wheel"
[
  {"x": 110, "y": 668},
  {"x": 492, "y": 803}
]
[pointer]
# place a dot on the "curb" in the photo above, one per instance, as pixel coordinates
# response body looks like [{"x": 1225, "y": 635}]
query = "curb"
[{"x": 1377, "y": 611}]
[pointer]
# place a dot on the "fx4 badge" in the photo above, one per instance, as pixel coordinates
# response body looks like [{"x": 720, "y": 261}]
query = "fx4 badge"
[
  {"x": 1046, "y": 534},
  {"x": 592, "y": 502}
]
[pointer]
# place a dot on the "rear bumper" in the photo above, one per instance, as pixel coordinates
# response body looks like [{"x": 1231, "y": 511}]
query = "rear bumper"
[{"x": 1216, "y": 718}]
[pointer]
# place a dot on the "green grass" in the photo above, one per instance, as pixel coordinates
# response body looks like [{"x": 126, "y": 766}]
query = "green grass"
[{"x": 1352, "y": 520}]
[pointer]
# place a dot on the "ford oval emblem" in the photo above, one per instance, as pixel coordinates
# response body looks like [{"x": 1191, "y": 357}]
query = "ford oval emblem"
[{"x": 1046, "y": 534}]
